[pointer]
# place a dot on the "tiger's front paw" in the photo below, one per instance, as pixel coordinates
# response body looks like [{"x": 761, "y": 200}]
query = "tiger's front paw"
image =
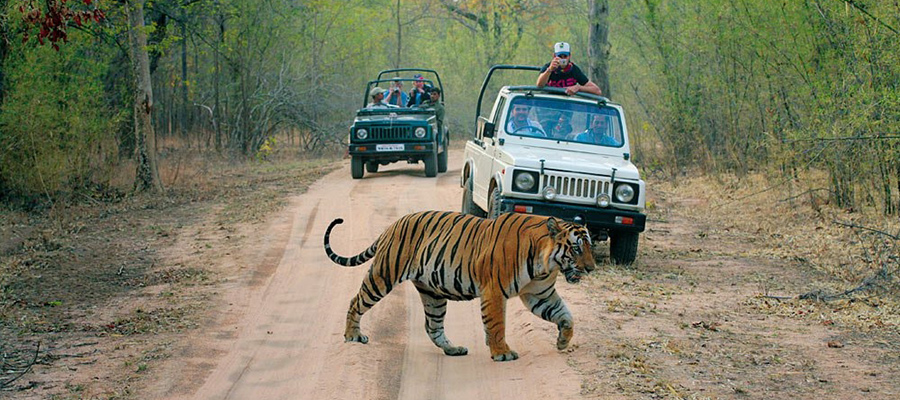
[
  {"x": 508, "y": 356},
  {"x": 456, "y": 351},
  {"x": 358, "y": 337},
  {"x": 565, "y": 336}
]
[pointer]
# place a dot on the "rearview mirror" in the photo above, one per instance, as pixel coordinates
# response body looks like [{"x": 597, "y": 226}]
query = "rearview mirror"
[{"x": 488, "y": 130}]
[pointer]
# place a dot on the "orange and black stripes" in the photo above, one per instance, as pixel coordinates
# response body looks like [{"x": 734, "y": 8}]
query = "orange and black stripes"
[{"x": 452, "y": 256}]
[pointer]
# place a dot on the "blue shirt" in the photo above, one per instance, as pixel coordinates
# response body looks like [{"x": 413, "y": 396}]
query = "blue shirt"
[
  {"x": 392, "y": 98},
  {"x": 602, "y": 139}
]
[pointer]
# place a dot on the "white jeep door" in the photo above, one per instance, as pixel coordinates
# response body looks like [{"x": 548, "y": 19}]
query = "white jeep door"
[{"x": 484, "y": 162}]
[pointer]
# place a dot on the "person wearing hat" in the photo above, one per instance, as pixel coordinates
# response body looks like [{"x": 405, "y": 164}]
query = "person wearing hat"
[
  {"x": 377, "y": 95},
  {"x": 562, "y": 72},
  {"x": 397, "y": 96},
  {"x": 418, "y": 94}
]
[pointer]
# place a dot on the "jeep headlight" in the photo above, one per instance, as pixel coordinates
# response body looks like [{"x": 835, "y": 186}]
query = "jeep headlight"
[
  {"x": 362, "y": 133},
  {"x": 549, "y": 193},
  {"x": 603, "y": 200},
  {"x": 624, "y": 193},
  {"x": 525, "y": 181},
  {"x": 420, "y": 132}
]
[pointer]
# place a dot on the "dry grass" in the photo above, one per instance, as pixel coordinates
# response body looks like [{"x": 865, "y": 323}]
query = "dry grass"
[{"x": 846, "y": 250}]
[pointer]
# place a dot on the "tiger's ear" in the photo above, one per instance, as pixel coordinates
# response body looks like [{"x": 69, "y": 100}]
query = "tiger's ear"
[{"x": 553, "y": 226}]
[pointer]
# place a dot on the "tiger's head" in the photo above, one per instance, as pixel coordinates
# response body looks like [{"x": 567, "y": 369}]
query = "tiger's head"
[{"x": 572, "y": 249}]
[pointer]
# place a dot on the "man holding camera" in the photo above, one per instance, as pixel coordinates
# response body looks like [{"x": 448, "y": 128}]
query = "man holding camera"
[
  {"x": 419, "y": 92},
  {"x": 563, "y": 73},
  {"x": 397, "y": 96}
]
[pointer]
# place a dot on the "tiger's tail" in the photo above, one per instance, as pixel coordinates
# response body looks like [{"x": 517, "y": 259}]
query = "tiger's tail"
[{"x": 347, "y": 261}]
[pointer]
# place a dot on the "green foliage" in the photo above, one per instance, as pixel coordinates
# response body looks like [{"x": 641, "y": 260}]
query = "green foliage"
[
  {"x": 55, "y": 131},
  {"x": 737, "y": 86},
  {"x": 725, "y": 86}
]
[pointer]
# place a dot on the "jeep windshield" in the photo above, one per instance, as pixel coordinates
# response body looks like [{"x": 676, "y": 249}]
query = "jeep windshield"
[
  {"x": 560, "y": 119},
  {"x": 394, "y": 95}
]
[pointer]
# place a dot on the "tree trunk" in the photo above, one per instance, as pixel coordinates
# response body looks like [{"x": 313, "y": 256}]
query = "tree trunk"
[
  {"x": 598, "y": 48},
  {"x": 217, "y": 107},
  {"x": 183, "y": 112},
  {"x": 147, "y": 171},
  {"x": 4, "y": 48},
  {"x": 399, "y": 37}
]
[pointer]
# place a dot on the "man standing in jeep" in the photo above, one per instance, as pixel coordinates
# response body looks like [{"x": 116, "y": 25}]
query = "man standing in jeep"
[{"x": 562, "y": 72}]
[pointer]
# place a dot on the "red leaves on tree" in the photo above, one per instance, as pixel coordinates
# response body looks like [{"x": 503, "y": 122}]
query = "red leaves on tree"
[{"x": 54, "y": 18}]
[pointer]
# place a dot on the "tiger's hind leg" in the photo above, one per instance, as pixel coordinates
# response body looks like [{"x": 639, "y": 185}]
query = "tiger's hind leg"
[
  {"x": 373, "y": 289},
  {"x": 549, "y": 306},
  {"x": 435, "y": 311}
]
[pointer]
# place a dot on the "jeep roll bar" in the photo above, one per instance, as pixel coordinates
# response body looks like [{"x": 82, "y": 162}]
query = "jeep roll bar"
[
  {"x": 601, "y": 100},
  {"x": 431, "y": 71},
  {"x": 487, "y": 79}
]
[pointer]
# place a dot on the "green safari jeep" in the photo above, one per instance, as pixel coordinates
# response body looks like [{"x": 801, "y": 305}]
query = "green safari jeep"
[{"x": 383, "y": 133}]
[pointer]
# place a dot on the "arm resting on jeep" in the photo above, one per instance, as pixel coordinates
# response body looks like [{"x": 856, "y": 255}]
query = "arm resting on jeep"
[
  {"x": 591, "y": 87},
  {"x": 543, "y": 78}
]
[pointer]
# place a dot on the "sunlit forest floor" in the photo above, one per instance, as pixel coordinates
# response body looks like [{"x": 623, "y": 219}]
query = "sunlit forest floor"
[{"x": 734, "y": 282}]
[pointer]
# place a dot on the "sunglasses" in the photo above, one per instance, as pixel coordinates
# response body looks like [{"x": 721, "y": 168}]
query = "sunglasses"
[{"x": 562, "y": 55}]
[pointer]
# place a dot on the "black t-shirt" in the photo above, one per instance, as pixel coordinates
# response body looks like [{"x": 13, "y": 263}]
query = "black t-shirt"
[{"x": 566, "y": 77}]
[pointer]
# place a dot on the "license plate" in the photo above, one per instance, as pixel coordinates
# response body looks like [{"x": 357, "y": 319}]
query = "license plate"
[{"x": 390, "y": 147}]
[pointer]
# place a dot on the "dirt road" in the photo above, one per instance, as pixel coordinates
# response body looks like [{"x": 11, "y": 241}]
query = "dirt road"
[
  {"x": 286, "y": 340},
  {"x": 687, "y": 321}
]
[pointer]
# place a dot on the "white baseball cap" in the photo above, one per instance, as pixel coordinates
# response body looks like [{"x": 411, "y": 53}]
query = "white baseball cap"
[{"x": 561, "y": 48}]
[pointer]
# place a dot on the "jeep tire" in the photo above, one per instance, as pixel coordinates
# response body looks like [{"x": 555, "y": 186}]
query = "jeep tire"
[
  {"x": 623, "y": 247},
  {"x": 494, "y": 203},
  {"x": 372, "y": 166},
  {"x": 431, "y": 167},
  {"x": 356, "y": 167},
  {"x": 442, "y": 161},
  {"x": 468, "y": 204}
]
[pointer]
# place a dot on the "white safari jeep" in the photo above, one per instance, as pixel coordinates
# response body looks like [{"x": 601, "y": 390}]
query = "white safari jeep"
[{"x": 543, "y": 152}]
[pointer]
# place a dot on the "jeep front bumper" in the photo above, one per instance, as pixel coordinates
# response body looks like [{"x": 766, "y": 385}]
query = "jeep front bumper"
[
  {"x": 596, "y": 219},
  {"x": 373, "y": 151}
]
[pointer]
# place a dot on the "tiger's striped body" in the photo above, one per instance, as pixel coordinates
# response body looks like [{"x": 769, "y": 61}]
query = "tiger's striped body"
[{"x": 453, "y": 256}]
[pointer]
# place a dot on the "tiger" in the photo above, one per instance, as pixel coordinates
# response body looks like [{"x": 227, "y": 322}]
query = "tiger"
[{"x": 453, "y": 256}]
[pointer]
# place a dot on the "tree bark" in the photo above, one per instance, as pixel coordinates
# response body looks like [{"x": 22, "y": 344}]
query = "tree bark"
[
  {"x": 598, "y": 48},
  {"x": 399, "y": 36},
  {"x": 183, "y": 111},
  {"x": 4, "y": 48},
  {"x": 147, "y": 170}
]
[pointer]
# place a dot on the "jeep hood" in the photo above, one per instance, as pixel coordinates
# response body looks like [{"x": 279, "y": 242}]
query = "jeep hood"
[{"x": 572, "y": 161}]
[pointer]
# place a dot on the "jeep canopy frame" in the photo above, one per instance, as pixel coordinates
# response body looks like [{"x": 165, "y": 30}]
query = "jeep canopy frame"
[
  {"x": 372, "y": 84},
  {"x": 430, "y": 71},
  {"x": 381, "y": 78},
  {"x": 601, "y": 100}
]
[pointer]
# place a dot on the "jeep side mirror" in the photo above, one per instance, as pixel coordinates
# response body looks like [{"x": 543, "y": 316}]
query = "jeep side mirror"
[{"x": 488, "y": 130}]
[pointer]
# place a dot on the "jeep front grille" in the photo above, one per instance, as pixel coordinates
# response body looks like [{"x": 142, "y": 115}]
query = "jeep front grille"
[
  {"x": 575, "y": 187},
  {"x": 390, "y": 132}
]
